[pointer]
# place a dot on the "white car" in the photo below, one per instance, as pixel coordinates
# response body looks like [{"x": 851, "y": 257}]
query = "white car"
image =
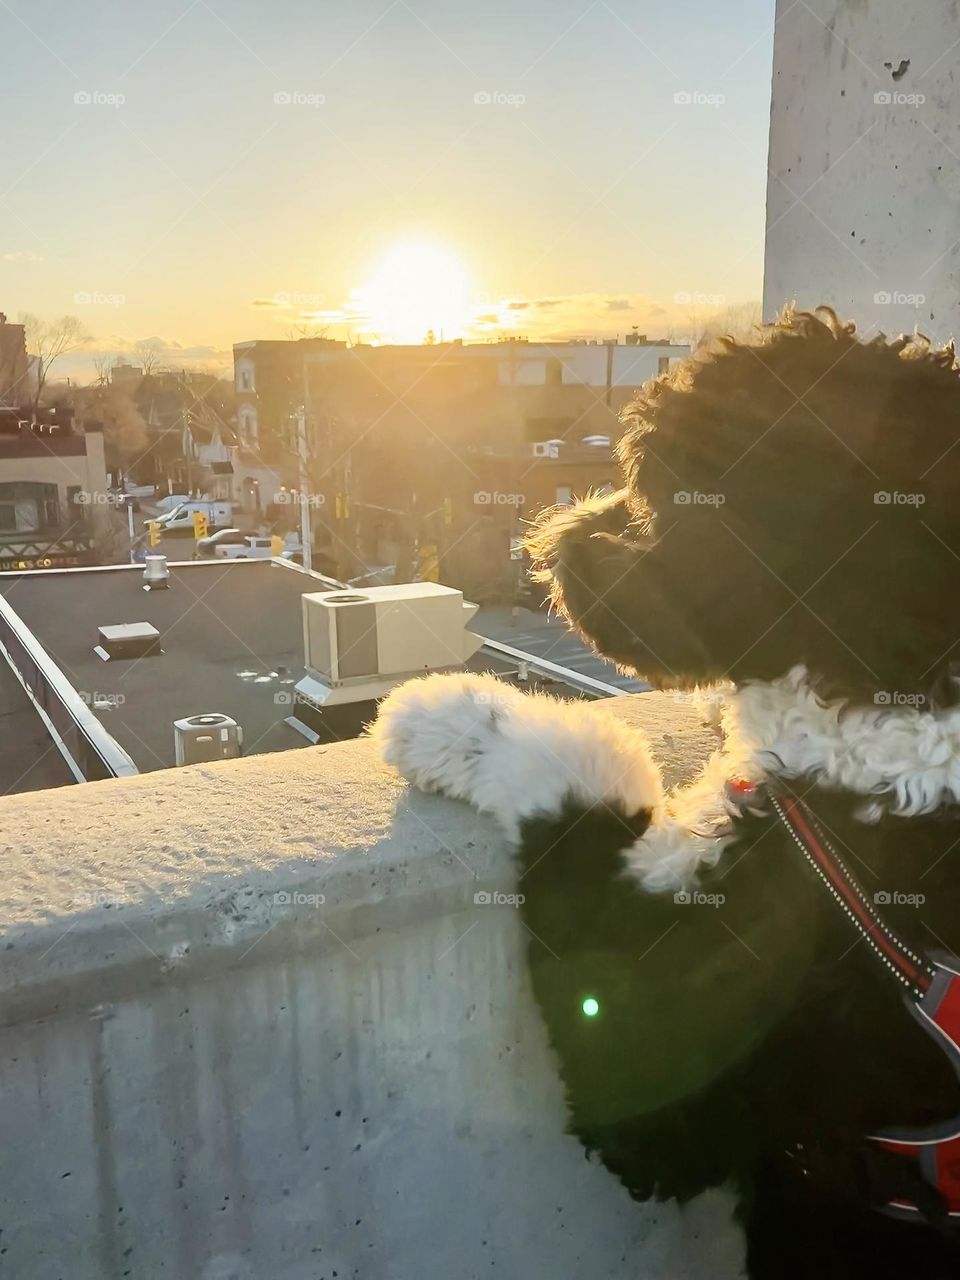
[{"x": 255, "y": 546}]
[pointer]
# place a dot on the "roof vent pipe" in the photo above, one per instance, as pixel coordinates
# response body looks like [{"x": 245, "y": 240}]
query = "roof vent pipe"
[{"x": 156, "y": 575}]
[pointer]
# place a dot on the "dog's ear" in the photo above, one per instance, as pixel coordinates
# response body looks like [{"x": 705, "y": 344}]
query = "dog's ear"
[{"x": 605, "y": 576}]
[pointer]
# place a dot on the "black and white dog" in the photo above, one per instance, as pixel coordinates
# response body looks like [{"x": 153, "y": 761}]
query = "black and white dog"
[{"x": 751, "y": 983}]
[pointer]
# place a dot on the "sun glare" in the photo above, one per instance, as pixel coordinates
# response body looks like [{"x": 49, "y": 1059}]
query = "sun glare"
[{"x": 416, "y": 289}]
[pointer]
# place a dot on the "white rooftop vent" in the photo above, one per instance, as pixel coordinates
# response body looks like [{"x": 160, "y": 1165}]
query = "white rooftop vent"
[
  {"x": 156, "y": 575},
  {"x": 210, "y": 736},
  {"x": 547, "y": 449},
  {"x": 359, "y": 644}
]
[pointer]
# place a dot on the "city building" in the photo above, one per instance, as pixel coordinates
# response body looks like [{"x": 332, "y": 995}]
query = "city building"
[
  {"x": 14, "y": 365},
  {"x": 430, "y": 457},
  {"x": 54, "y": 502}
]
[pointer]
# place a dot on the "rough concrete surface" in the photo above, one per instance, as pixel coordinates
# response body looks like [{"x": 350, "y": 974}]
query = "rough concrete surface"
[{"x": 256, "y": 1028}]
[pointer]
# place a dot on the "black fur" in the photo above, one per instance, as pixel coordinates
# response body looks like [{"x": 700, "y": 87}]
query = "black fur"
[{"x": 754, "y": 1044}]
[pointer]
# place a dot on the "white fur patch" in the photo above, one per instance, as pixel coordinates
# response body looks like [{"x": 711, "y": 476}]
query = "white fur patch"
[
  {"x": 906, "y": 758},
  {"x": 513, "y": 754}
]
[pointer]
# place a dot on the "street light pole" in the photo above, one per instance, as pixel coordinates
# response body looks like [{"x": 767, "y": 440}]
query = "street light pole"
[{"x": 306, "y": 532}]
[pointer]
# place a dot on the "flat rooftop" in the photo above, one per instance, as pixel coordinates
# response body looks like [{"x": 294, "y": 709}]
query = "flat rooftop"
[
  {"x": 231, "y": 637},
  {"x": 231, "y": 641}
]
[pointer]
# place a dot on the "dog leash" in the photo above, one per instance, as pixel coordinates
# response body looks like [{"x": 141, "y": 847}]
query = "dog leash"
[{"x": 931, "y": 990}]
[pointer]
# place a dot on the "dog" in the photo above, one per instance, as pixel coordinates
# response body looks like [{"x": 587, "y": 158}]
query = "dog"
[{"x": 750, "y": 983}]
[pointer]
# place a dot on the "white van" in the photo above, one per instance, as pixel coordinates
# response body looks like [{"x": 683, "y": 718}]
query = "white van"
[{"x": 180, "y": 519}]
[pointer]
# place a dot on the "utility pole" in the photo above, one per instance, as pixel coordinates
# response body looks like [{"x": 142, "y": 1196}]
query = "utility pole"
[
  {"x": 306, "y": 532},
  {"x": 130, "y": 529}
]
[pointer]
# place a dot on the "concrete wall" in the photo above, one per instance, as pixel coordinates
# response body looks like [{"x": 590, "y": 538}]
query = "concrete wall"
[
  {"x": 863, "y": 199},
  {"x": 254, "y": 1027}
]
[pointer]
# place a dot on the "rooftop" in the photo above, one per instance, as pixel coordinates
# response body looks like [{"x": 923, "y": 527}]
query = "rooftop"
[{"x": 231, "y": 639}]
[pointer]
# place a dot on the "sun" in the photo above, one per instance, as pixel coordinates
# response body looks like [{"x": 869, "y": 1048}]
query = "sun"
[{"x": 417, "y": 288}]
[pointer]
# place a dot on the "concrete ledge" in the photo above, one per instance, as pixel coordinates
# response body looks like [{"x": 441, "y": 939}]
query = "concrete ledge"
[
  {"x": 114, "y": 884},
  {"x": 198, "y": 1080}
]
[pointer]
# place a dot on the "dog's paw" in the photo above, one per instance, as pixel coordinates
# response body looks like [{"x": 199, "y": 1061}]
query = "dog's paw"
[
  {"x": 436, "y": 731},
  {"x": 512, "y": 754}
]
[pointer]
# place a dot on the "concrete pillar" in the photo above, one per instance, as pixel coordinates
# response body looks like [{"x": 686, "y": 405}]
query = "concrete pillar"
[{"x": 863, "y": 198}]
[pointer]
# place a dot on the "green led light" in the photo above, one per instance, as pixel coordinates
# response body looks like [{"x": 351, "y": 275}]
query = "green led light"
[{"x": 590, "y": 1007}]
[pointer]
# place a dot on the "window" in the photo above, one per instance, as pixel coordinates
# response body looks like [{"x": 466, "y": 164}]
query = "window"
[
  {"x": 564, "y": 495},
  {"x": 663, "y": 364},
  {"x": 26, "y": 507}
]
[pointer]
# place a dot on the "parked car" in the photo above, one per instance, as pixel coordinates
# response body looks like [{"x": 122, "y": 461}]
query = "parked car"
[
  {"x": 256, "y": 546},
  {"x": 207, "y": 546}
]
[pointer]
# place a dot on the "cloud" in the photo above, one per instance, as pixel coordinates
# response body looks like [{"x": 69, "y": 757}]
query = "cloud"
[
  {"x": 21, "y": 255},
  {"x": 583, "y": 316}
]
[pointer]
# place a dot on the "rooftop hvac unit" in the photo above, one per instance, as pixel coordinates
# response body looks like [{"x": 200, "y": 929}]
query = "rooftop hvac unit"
[
  {"x": 206, "y": 737},
  {"x": 546, "y": 449},
  {"x": 359, "y": 644}
]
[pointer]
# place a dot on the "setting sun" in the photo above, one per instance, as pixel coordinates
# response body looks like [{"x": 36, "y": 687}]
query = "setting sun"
[{"x": 416, "y": 288}]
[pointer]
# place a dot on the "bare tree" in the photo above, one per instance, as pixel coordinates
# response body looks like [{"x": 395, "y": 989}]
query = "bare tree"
[
  {"x": 47, "y": 341},
  {"x": 150, "y": 358},
  {"x": 306, "y": 328}
]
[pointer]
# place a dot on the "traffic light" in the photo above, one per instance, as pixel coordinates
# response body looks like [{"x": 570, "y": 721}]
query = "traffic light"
[
  {"x": 343, "y": 506},
  {"x": 199, "y": 524},
  {"x": 154, "y": 533}
]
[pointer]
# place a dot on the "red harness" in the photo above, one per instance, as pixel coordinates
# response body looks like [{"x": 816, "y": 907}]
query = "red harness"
[{"x": 931, "y": 989}]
